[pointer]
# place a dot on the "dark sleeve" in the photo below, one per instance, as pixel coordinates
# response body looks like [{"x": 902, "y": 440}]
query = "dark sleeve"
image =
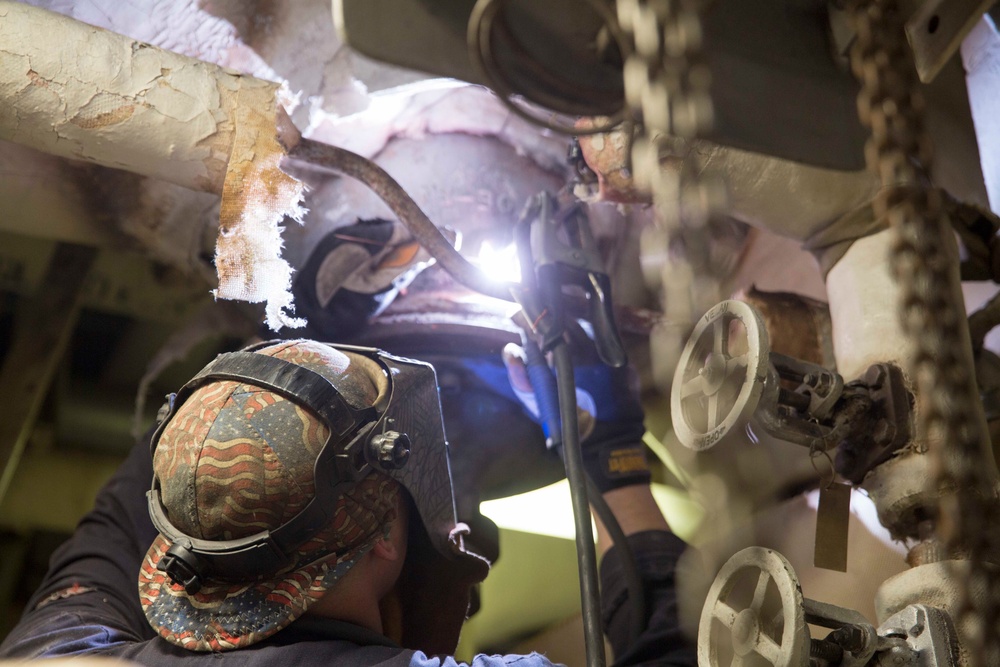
[
  {"x": 662, "y": 642},
  {"x": 88, "y": 603}
]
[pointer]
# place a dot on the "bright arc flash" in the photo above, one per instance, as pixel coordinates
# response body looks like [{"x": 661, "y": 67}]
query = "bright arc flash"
[{"x": 499, "y": 264}]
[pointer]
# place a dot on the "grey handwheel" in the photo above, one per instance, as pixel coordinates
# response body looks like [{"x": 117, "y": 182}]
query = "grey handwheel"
[
  {"x": 719, "y": 380},
  {"x": 759, "y": 629}
]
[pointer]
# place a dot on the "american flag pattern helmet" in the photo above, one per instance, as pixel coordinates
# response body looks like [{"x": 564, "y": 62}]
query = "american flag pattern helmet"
[{"x": 235, "y": 460}]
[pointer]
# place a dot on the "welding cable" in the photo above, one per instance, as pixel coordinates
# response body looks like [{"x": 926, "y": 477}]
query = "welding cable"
[
  {"x": 544, "y": 386},
  {"x": 340, "y": 161},
  {"x": 586, "y": 554},
  {"x": 630, "y": 566}
]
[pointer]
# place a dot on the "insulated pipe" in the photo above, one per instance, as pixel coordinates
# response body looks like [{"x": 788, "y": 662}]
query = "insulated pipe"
[
  {"x": 981, "y": 57},
  {"x": 864, "y": 311},
  {"x": 788, "y": 198},
  {"x": 85, "y": 93},
  {"x": 116, "y": 102}
]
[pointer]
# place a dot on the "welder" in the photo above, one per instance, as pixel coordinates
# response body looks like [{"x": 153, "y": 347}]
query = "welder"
[{"x": 301, "y": 511}]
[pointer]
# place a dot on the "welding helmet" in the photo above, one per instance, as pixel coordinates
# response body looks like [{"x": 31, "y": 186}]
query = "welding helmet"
[{"x": 273, "y": 473}]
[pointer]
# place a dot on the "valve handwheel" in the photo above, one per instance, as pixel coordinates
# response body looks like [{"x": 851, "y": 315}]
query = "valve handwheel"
[
  {"x": 770, "y": 630},
  {"x": 720, "y": 377}
]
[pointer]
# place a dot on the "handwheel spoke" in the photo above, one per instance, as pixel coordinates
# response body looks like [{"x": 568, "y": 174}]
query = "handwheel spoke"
[
  {"x": 695, "y": 385},
  {"x": 724, "y": 613},
  {"x": 766, "y": 582},
  {"x": 720, "y": 336},
  {"x": 760, "y": 591},
  {"x": 713, "y": 411},
  {"x": 768, "y": 649},
  {"x": 735, "y": 363}
]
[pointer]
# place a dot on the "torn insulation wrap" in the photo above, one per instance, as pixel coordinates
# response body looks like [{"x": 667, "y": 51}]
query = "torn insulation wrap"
[
  {"x": 113, "y": 101},
  {"x": 256, "y": 196}
]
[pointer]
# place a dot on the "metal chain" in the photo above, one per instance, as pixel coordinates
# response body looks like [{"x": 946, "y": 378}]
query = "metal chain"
[
  {"x": 667, "y": 87},
  {"x": 899, "y": 152}
]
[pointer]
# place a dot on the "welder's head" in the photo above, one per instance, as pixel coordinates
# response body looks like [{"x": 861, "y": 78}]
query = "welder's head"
[{"x": 275, "y": 470}]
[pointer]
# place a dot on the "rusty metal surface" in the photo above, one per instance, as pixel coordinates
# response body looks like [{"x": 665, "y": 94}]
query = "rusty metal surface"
[
  {"x": 796, "y": 325},
  {"x": 608, "y": 155},
  {"x": 884, "y": 427}
]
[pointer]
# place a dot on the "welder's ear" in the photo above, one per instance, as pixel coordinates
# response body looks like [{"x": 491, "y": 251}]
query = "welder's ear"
[
  {"x": 392, "y": 545},
  {"x": 386, "y": 549}
]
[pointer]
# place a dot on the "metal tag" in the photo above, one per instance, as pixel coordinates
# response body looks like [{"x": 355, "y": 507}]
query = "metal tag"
[{"x": 832, "y": 520}]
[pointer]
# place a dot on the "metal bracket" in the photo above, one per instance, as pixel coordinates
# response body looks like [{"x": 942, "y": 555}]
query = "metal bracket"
[
  {"x": 936, "y": 31},
  {"x": 885, "y": 428},
  {"x": 921, "y": 631}
]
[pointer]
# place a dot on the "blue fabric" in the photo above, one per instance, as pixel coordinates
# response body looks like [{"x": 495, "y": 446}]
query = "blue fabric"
[
  {"x": 482, "y": 660},
  {"x": 491, "y": 372}
]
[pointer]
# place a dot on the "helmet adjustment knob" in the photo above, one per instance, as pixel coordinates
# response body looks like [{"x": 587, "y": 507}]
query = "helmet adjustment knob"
[{"x": 390, "y": 450}]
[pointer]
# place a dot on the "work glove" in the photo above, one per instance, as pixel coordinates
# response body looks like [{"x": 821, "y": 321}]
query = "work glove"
[{"x": 608, "y": 411}]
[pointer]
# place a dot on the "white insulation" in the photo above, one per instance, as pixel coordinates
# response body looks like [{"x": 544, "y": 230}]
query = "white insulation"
[
  {"x": 981, "y": 57},
  {"x": 85, "y": 93}
]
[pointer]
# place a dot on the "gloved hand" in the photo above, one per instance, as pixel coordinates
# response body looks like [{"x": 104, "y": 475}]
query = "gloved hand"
[{"x": 608, "y": 410}]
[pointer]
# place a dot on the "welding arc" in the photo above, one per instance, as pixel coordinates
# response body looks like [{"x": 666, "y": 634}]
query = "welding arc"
[
  {"x": 325, "y": 157},
  {"x": 338, "y": 160}
]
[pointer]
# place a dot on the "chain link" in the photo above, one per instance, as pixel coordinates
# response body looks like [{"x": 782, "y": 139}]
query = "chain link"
[
  {"x": 667, "y": 87},
  {"x": 899, "y": 151}
]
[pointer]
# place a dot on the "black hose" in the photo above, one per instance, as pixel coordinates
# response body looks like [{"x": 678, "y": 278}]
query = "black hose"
[
  {"x": 590, "y": 595},
  {"x": 633, "y": 581},
  {"x": 341, "y": 161}
]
